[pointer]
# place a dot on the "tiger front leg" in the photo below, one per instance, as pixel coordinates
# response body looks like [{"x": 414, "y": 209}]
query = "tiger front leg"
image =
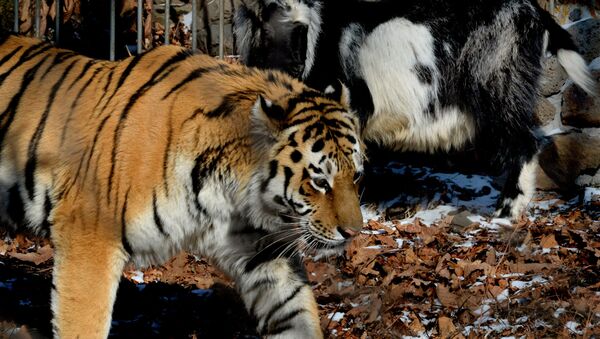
[
  {"x": 88, "y": 264},
  {"x": 278, "y": 295}
]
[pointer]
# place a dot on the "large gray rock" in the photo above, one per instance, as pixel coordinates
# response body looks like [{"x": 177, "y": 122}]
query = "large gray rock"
[
  {"x": 553, "y": 77},
  {"x": 567, "y": 157},
  {"x": 586, "y": 34},
  {"x": 544, "y": 112},
  {"x": 580, "y": 109}
]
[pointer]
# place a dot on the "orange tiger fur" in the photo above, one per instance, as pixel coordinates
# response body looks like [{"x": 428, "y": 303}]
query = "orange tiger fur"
[{"x": 167, "y": 151}]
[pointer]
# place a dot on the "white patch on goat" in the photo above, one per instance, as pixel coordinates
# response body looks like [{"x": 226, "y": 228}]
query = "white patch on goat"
[
  {"x": 310, "y": 16},
  {"x": 388, "y": 58},
  {"x": 527, "y": 184},
  {"x": 350, "y": 42},
  {"x": 578, "y": 70},
  {"x": 496, "y": 51}
]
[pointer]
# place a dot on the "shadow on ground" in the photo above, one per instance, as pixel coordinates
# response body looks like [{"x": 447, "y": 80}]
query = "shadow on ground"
[{"x": 154, "y": 310}]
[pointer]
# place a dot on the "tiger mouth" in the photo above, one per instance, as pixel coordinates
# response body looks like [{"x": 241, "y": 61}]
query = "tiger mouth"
[{"x": 318, "y": 245}]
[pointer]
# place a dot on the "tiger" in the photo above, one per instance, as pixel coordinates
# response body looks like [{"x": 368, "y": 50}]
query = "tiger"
[{"x": 133, "y": 161}]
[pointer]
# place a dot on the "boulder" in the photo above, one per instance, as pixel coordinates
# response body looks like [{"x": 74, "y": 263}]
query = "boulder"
[
  {"x": 586, "y": 34},
  {"x": 553, "y": 77},
  {"x": 567, "y": 157},
  {"x": 544, "y": 112},
  {"x": 580, "y": 109}
]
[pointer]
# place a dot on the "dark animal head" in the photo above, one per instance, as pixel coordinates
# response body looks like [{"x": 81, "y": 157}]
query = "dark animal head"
[{"x": 277, "y": 34}]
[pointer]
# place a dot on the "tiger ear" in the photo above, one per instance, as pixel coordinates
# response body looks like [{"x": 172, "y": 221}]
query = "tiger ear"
[
  {"x": 268, "y": 119},
  {"x": 340, "y": 93}
]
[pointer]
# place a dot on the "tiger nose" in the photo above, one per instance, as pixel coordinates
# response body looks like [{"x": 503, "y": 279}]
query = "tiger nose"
[{"x": 347, "y": 232}]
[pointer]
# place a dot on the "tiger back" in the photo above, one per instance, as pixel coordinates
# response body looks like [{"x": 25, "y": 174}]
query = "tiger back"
[{"x": 139, "y": 159}]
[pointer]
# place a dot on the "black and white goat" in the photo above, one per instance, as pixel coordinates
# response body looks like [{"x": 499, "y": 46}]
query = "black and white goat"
[{"x": 424, "y": 75}]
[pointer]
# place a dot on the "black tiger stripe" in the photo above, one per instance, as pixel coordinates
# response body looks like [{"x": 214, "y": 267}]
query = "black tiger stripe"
[
  {"x": 74, "y": 104},
  {"x": 27, "y": 55},
  {"x": 83, "y": 71},
  {"x": 166, "y": 155},
  {"x": 93, "y": 148},
  {"x": 318, "y": 146},
  {"x": 273, "y": 166},
  {"x": 9, "y": 114},
  {"x": 279, "y": 81},
  {"x": 157, "y": 219},
  {"x": 318, "y": 108},
  {"x": 280, "y": 305},
  {"x": 15, "y": 206},
  {"x": 59, "y": 58},
  {"x": 35, "y": 139},
  {"x": 278, "y": 330},
  {"x": 288, "y": 173},
  {"x": 307, "y": 96},
  {"x": 300, "y": 121},
  {"x": 111, "y": 72},
  {"x": 135, "y": 60},
  {"x": 282, "y": 324},
  {"x": 195, "y": 74},
  {"x": 205, "y": 165},
  {"x": 163, "y": 73},
  {"x": 292, "y": 140},
  {"x": 124, "y": 240},
  {"x": 45, "y": 227},
  {"x": 260, "y": 284},
  {"x": 317, "y": 127},
  {"x": 336, "y": 123},
  {"x": 230, "y": 103},
  {"x": 10, "y": 55}
]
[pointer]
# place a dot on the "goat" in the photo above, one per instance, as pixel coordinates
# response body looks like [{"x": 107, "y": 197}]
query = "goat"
[{"x": 424, "y": 75}]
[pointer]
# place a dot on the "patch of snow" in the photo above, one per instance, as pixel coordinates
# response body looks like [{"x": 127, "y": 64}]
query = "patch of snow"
[
  {"x": 537, "y": 280},
  {"x": 522, "y": 319},
  {"x": 337, "y": 316},
  {"x": 558, "y": 312},
  {"x": 591, "y": 194},
  {"x": 467, "y": 244},
  {"x": 573, "y": 326},
  {"x": 373, "y": 232},
  {"x": 369, "y": 213},
  {"x": 544, "y": 204},
  {"x": 138, "y": 277},
  {"x": 187, "y": 21},
  {"x": 400, "y": 242},
  {"x": 503, "y": 296},
  {"x": 481, "y": 310},
  {"x": 429, "y": 217}
]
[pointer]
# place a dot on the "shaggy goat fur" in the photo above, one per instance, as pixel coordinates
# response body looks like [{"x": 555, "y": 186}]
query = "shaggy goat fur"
[{"x": 424, "y": 75}]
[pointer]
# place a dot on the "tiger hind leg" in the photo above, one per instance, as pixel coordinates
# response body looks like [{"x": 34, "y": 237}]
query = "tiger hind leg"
[{"x": 86, "y": 275}]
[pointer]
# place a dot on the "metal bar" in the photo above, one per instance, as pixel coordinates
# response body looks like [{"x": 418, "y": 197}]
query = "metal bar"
[
  {"x": 221, "y": 29},
  {"x": 167, "y": 21},
  {"x": 194, "y": 27},
  {"x": 57, "y": 21},
  {"x": 112, "y": 30},
  {"x": 140, "y": 27},
  {"x": 38, "y": 13},
  {"x": 16, "y": 23}
]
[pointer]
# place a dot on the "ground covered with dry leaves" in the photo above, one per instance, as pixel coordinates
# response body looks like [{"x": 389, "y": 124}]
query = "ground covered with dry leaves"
[{"x": 428, "y": 264}]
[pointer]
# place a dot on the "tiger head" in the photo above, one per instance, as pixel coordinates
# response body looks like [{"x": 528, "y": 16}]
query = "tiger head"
[{"x": 309, "y": 181}]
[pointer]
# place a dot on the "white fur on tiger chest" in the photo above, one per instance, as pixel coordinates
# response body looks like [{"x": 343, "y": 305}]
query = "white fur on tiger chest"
[
  {"x": 184, "y": 227},
  {"x": 407, "y": 114}
]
